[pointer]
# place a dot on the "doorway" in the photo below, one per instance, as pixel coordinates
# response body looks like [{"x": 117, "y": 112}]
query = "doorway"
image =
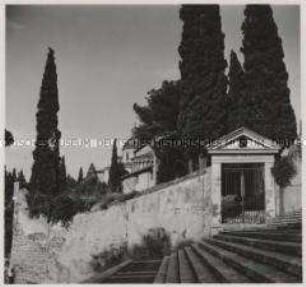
[{"x": 243, "y": 196}]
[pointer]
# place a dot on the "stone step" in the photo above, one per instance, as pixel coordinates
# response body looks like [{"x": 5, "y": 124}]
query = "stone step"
[
  {"x": 186, "y": 273},
  {"x": 162, "y": 271},
  {"x": 297, "y": 213},
  {"x": 131, "y": 273},
  {"x": 173, "y": 269},
  {"x": 286, "y": 263},
  {"x": 287, "y": 220},
  {"x": 288, "y": 217},
  {"x": 104, "y": 276},
  {"x": 256, "y": 271},
  {"x": 295, "y": 226},
  {"x": 140, "y": 271},
  {"x": 276, "y": 235},
  {"x": 143, "y": 265},
  {"x": 122, "y": 278},
  {"x": 290, "y": 248},
  {"x": 202, "y": 272},
  {"x": 224, "y": 272}
]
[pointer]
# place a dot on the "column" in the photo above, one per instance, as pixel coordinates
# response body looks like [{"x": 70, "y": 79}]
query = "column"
[
  {"x": 216, "y": 196},
  {"x": 270, "y": 196}
]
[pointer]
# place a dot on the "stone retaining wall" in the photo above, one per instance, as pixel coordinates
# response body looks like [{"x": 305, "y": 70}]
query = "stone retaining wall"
[{"x": 42, "y": 253}]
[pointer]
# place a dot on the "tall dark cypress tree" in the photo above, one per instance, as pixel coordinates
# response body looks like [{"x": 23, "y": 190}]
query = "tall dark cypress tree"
[
  {"x": 92, "y": 173},
  {"x": 21, "y": 179},
  {"x": 81, "y": 176},
  {"x": 62, "y": 174},
  {"x": 9, "y": 139},
  {"x": 202, "y": 67},
  {"x": 114, "y": 181},
  {"x": 266, "y": 76},
  {"x": 237, "y": 102},
  {"x": 45, "y": 170}
]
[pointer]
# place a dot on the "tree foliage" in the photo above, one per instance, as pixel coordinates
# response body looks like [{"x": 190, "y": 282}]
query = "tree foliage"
[
  {"x": 45, "y": 183},
  {"x": 202, "y": 66},
  {"x": 158, "y": 124},
  {"x": 116, "y": 171},
  {"x": 237, "y": 103},
  {"x": 9, "y": 139},
  {"x": 159, "y": 116},
  {"x": 80, "y": 177},
  {"x": 283, "y": 171},
  {"x": 8, "y": 211},
  {"x": 62, "y": 174},
  {"x": 22, "y": 180},
  {"x": 266, "y": 77},
  {"x": 91, "y": 175}
]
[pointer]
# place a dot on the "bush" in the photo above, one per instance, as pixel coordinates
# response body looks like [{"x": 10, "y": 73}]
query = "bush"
[
  {"x": 76, "y": 198},
  {"x": 231, "y": 206},
  {"x": 283, "y": 171},
  {"x": 108, "y": 258},
  {"x": 184, "y": 243},
  {"x": 155, "y": 245}
]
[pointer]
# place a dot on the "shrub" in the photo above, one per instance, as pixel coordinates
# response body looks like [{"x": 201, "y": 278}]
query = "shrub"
[
  {"x": 156, "y": 244},
  {"x": 184, "y": 243},
  {"x": 108, "y": 258},
  {"x": 231, "y": 206},
  {"x": 283, "y": 171},
  {"x": 76, "y": 198}
]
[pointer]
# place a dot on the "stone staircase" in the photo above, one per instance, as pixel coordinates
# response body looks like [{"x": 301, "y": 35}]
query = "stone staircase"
[
  {"x": 130, "y": 271},
  {"x": 261, "y": 256},
  {"x": 292, "y": 220},
  {"x": 270, "y": 254}
]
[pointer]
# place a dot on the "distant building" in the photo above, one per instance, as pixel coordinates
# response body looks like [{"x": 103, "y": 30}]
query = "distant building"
[
  {"x": 128, "y": 151},
  {"x": 103, "y": 174},
  {"x": 142, "y": 164}
]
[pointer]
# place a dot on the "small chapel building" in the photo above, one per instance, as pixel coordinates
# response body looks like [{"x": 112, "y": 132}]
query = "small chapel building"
[{"x": 242, "y": 183}]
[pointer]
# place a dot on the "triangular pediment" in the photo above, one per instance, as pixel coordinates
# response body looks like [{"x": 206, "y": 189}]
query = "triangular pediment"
[{"x": 243, "y": 139}]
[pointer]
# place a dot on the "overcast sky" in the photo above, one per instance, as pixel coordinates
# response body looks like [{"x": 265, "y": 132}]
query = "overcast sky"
[{"x": 107, "y": 58}]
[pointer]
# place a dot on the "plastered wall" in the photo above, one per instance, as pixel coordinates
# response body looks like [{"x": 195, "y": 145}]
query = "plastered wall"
[{"x": 43, "y": 253}]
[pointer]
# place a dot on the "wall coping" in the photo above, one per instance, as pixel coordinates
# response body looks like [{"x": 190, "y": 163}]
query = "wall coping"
[{"x": 161, "y": 186}]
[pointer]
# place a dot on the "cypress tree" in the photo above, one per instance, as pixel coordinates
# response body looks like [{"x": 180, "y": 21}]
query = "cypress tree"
[
  {"x": 21, "y": 179},
  {"x": 81, "y": 177},
  {"x": 14, "y": 174},
  {"x": 92, "y": 173},
  {"x": 45, "y": 170},
  {"x": 114, "y": 180},
  {"x": 8, "y": 212},
  {"x": 202, "y": 69},
  {"x": 237, "y": 102},
  {"x": 266, "y": 76},
  {"x": 62, "y": 174},
  {"x": 9, "y": 139}
]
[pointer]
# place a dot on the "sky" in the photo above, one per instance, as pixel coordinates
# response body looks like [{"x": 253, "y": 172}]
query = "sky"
[{"x": 108, "y": 58}]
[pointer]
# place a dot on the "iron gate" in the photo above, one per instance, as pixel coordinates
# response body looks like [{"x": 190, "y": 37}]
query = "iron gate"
[{"x": 243, "y": 197}]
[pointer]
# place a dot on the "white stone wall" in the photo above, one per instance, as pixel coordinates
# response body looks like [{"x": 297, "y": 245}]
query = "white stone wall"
[
  {"x": 145, "y": 180},
  {"x": 293, "y": 192},
  {"x": 128, "y": 184},
  {"x": 44, "y": 254}
]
